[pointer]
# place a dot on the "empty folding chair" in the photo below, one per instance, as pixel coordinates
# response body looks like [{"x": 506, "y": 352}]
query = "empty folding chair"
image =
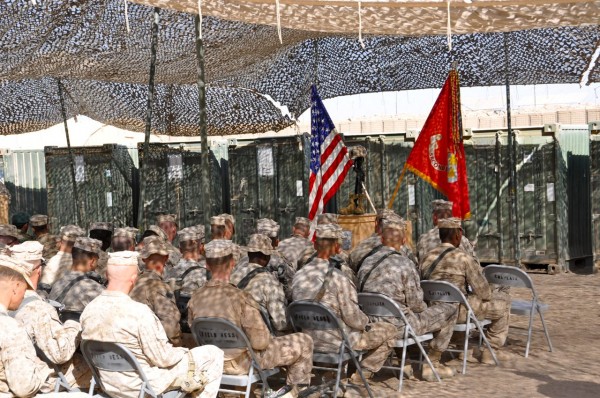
[
  {"x": 448, "y": 293},
  {"x": 114, "y": 357},
  {"x": 376, "y": 304},
  {"x": 514, "y": 277},
  {"x": 224, "y": 334},
  {"x": 310, "y": 315}
]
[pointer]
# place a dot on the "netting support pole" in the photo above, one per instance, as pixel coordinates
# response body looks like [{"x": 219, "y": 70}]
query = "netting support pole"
[
  {"x": 512, "y": 163},
  {"x": 141, "y": 216},
  {"x": 63, "y": 112},
  {"x": 204, "y": 159}
]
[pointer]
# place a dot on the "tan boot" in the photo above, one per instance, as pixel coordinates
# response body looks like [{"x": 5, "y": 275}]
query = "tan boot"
[
  {"x": 458, "y": 361},
  {"x": 359, "y": 208},
  {"x": 356, "y": 379},
  {"x": 501, "y": 355},
  {"x": 351, "y": 206},
  {"x": 444, "y": 372}
]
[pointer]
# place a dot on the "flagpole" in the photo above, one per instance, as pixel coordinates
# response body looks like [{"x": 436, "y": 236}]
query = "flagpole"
[
  {"x": 398, "y": 184},
  {"x": 512, "y": 157}
]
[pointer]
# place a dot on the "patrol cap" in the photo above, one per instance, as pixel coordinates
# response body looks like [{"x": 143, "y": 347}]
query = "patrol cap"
[
  {"x": 153, "y": 245},
  {"x": 218, "y": 248},
  {"x": 104, "y": 226},
  {"x": 302, "y": 221},
  {"x": 397, "y": 224},
  {"x": 384, "y": 213},
  {"x": 329, "y": 231},
  {"x": 20, "y": 218},
  {"x": 9, "y": 230},
  {"x": 260, "y": 243},
  {"x": 22, "y": 267},
  {"x": 450, "y": 223},
  {"x": 166, "y": 218},
  {"x": 440, "y": 204},
  {"x": 38, "y": 220},
  {"x": 30, "y": 250},
  {"x": 158, "y": 231},
  {"x": 127, "y": 232},
  {"x": 89, "y": 245},
  {"x": 200, "y": 232},
  {"x": 327, "y": 218},
  {"x": 70, "y": 233},
  {"x": 187, "y": 234},
  {"x": 217, "y": 220},
  {"x": 228, "y": 217},
  {"x": 267, "y": 227},
  {"x": 127, "y": 258}
]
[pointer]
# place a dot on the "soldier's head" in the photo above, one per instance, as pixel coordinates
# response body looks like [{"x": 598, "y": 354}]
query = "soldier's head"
[
  {"x": 168, "y": 223},
  {"x": 39, "y": 223},
  {"x": 218, "y": 228},
  {"x": 259, "y": 249},
  {"x": 103, "y": 232},
  {"x": 21, "y": 221},
  {"x": 122, "y": 271},
  {"x": 301, "y": 227},
  {"x": 154, "y": 254},
  {"x": 30, "y": 253},
  {"x": 450, "y": 230},
  {"x": 124, "y": 239},
  {"x": 9, "y": 234},
  {"x": 270, "y": 228},
  {"x": 68, "y": 236},
  {"x": 328, "y": 239},
  {"x": 383, "y": 215},
  {"x": 14, "y": 281},
  {"x": 394, "y": 233},
  {"x": 229, "y": 225},
  {"x": 441, "y": 209},
  {"x": 219, "y": 259},
  {"x": 191, "y": 242},
  {"x": 86, "y": 253}
]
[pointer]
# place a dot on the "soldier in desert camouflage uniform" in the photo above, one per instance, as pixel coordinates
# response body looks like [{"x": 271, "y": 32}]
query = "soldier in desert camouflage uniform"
[
  {"x": 292, "y": 248},
  {"x": 168, "y": 224},
  {"x": 39, "y": 224},
  {"x": 62, "y": 261},
  {"x": 219, "y": 298},
  {"x": 21, "y": 222},
  {"x": 190, "y": 273},
  {"x": 391, "y": 273},
  {"x": 223, "y": 227},
  {"x": 9, "y": 234}
]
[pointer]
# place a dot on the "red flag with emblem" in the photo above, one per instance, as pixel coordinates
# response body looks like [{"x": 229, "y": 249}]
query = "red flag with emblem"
[{"x": 438, "y": 156}]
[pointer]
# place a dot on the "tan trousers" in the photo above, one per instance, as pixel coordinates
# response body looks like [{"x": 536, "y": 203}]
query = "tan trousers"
[
  {"x": 438, "y": 319},
  {"x": 378, "y": 342},
  {"x": 497, "y": 310},
  {"x": 208, "y": 366}
]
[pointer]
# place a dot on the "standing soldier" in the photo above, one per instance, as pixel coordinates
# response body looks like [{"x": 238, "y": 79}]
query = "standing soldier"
[{"x": 41, "y": 232}]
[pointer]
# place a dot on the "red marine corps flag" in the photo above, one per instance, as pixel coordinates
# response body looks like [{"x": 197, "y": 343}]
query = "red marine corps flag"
[{"x": 438, "y": 156}]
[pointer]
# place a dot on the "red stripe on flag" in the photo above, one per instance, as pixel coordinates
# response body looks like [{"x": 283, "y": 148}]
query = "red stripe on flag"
[{"x": 329, "y": 194}]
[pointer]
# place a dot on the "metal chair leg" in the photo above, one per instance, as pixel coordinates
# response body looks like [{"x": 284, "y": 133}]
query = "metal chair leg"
[
  {"x": 550, "y": 348},
  {"x": 487, "y": 343}
]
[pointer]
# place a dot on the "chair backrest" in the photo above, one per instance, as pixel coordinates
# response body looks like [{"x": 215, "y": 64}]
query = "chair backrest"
[
  {"x": 442, "y": 291},
  {"x": 219, "y": 332},
  {"x": 507, "y": 276},
  {"x": 377, "y": 304},
  {"x": 112, "y": 357},
  {"x": 310, "y": 315}
]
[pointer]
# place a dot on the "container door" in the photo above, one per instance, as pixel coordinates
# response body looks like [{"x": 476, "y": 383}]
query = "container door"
[
  {"x": 595, "y": 182},
  {"x": 94, "y": 175},
  {"x": 243, "y": 183}
]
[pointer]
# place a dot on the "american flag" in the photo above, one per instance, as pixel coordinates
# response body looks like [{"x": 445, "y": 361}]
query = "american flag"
[{"x": 329, "y": 160}]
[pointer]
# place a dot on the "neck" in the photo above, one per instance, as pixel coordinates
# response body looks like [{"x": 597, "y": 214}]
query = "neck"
[
  {"x": 190, "y": 256},
  {"x": 119, "y": 286},
  {"x": 81, "y": 268},
  {"x": 221, "y": 276},
  {"x": 325, "y": 254}
]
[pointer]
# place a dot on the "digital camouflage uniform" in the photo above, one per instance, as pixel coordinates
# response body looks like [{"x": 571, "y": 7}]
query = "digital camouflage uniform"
[
  {"x": 431, "y": 240},
  {"x": 397, "y": 278},
  {"x": 266, "y": 291},
  {"x": 341, "y": 297},
  {"x": 310, "y": 254},
  {"x": 80, "y": 294},
  {"x": 292, "y": 249},
  {"x": 174, "y": 255},
  {"x": 460, "y": 269},
  {"x": 223, "y": 300},
  {"x": 22, "y": 373},
  {"x": 101, "y": 264},
  {"x": 115, "y": 317},
  {"x": 50, "y": 245},
  {"x": 193, "y": 280},
  {"x": 151, "y": 289},
  {"x": 56, "y": 267}
]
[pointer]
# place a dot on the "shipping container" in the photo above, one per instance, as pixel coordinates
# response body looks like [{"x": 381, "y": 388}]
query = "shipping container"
[
  {"x": 24, "y": 175},
  {"x": 104, "y": 177},
  {"x": 594, "y": 129}
]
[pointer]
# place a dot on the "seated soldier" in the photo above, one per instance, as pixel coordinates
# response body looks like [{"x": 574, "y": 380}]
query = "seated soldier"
[
  {"x": 190, "y": 272},
  {"x": 41, "y": 232},
  {"x": 123, "y": 239},
  {"x": 115, "y": 317},
  {"x": 168, "y": 224},
  {"x": 293, "y": 247},
  {"x": 448, "y": 263},
  {"x": 62, "y": 261},
  {"x": 9, "y": 235},
  {"x": 391, "y": 273},
  {"x": 151, "y": 289},
  {"x": 339, "y": 294},
  {"x": 56, "y": 340},
  {"x": 82, "y": 284},
  {"x": 218, "y": 298},
  {"x": 21, "y": 222},
  {"x": 223, "y": 227},
  {"x": 22, "y": 373},
  {"x": 254, "y": 277},
  {"x": 102, "y": 231}
]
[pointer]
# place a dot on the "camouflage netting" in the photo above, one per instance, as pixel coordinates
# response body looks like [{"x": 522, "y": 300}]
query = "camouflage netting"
[{"x": 104, "y": 69}]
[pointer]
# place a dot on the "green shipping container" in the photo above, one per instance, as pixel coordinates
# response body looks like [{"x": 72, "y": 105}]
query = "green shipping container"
[{"x": 594, "y": 129}]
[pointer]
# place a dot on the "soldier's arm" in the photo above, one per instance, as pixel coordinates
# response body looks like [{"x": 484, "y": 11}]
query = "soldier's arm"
[
  {"x": 24, "y": 372},
  {"x": 476, "y": 280},
  {"x": 166, "y": 310},
  {"x": 253, "y": 324},
  {"x": 412, "y": 289},
  {"x": 351, "y": 313},
  {"x": 155, "y": 343},
  {"x": 276, "y": 305}
]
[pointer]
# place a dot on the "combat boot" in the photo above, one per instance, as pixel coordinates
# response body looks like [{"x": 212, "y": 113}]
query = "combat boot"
[
  {"x": 488, "y": 359},
  {"x": 444, "y": 372},
  {"x": 359, "y": 200},
  {"x": 356, "y": 379}
]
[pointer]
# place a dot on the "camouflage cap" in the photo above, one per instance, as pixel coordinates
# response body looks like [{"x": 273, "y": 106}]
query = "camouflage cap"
[
  {"x": 158, "y": 231},
  {"x": 302, "y": 221},
  {"x": 70, "y": 233},
  {"x": 166, "y": 218},
  {"x": 153, "y": 245},
  {"x": 38, "y": 220},
  {"x": 384, "y": 213},
  {"x": 268, "y": 227},
  {"x": 200, "y": 231},
  {"x": 20, "y": 218},
  {"x": 397, "y": 223},
  {"x": 22, "y": 267},
  {"x": 127, "y": 232},
  {"x": 187, "y": 234},
  {"x": 329, "y": 231},
  {"x": 217, "y": 220},
  {"x": 89, "y": 245},
  {"x": 260, "y": 243},
  {"x": 218, "y": 248},
  {"x": 104, "y": 226},
  {"x": 327, "y": 218},
  {"x": 127, "y": 258},
  {"x": 30, "y": 250},
  {"x": 440, "y": 204},
  {"x": 450, "y": 223},
  {"x": 228, "y": 217},
  {"x": 9, "y": 230}
]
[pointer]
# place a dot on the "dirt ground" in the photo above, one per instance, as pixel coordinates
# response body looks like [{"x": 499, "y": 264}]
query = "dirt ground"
[{"x": 572, "y": 370}]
